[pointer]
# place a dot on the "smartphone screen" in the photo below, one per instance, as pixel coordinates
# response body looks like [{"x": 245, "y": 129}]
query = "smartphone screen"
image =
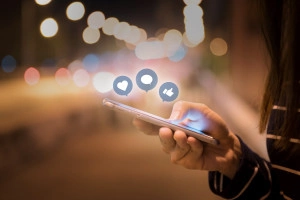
[{"x": 159, "y": 121}]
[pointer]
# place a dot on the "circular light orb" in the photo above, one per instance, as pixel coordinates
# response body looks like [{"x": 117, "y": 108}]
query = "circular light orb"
[
  {"x": 81, "y": 78},
  {"x": 109, "y": 25},
  {"x": 134, "y": 36},
  {"x": 8, "y": 64},
  {"x": 62, "y": 76},
  {"x": 49, "y": 27},
  {"x": 218, "y": 47},
  {"x": 91, "y": 35},
  {"x": 193, "y": 2},
  {"x": 75, "y": 11},
  {"x": 96, "y": 20},
  {"x": 42, "y": 2},
  {"x": 122, "y": 30},
  {"x": 103, "y": 81},
  {"x": 32, "y": 76}
]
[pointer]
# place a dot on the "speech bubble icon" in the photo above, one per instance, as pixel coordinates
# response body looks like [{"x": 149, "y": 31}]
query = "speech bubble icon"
[{"x": 146, "y": 79}]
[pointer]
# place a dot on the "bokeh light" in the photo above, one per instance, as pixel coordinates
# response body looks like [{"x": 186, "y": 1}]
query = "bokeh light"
[
  {"x": 172, "y": 41},
  {"x": 218, "y": 47},
  {"x": 81, "y": 78},
  {"x": 75, "y": 65},
  {"x": 195, "y": 2},
  {"x": 96, "y": 20},
  {"x": 150, "y": 50},
  {"x": 90, "y": 35},
  {"x": 178, "y": 55},
  {"x": 42, "y": 2},
  {"x": 8, "y": 64},
  {"x": 103, "y": 81},
  {"x": 49, "y": 27},
  {"x": 91, "y": 62},
  {"x": 121, "y": 30},
  {"x": 109, "y": 25},
  {"x": 62, "y": 76},
  {"x": 75, "y": 11},
  {"x": 32, "y": 76},
  {"x": 134, "y": 35},
  {"x": 194, "y": 27}
]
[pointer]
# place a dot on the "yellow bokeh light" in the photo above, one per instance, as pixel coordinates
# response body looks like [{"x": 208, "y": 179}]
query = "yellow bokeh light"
[
  {"x": 42, "y": 2},
  {"x": 122, "y": 30},
  {"x": 194, "y": 2},
  {"x": 91, "y": 35},
  {"x": 218, "y": 47},
  {"x": 109, "y": 25},
  {"x": 172, "y": 41},
  {"x": 49, "y": 27},
  {"x": 96, "y": 20},
  {"x": 143, "y": 35},
  {"x": 75, "y": 11},
  {"x": 134, "y": 36},
  {"x": 193, "y": 21},
  {"x": 150, "y": 50}
]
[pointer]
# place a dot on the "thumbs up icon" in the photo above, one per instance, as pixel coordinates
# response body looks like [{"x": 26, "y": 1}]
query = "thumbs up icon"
[{"x": 169, "y": 92}]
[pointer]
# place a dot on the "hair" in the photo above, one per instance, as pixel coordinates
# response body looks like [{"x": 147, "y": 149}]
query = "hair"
[{"x": 280, "y": 20}]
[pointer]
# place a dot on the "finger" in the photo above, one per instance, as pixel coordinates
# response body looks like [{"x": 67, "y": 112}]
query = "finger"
[
  {"x": 193, "y": 158},
  {"x": 166, "y": 139},
  {"x": 177, "y": 110},
  {"x": 196, "y": 146},
  {"x": 182, "y": 147},
  {"x": 201, "y": 117},
  {"x": 145, "y": 127}
]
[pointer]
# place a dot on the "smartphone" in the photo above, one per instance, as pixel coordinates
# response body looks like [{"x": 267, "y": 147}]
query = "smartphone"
[{"x": 159, "y": 121}]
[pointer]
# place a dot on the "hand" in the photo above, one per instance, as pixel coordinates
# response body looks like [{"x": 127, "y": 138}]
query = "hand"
[{"x": 192, "y": 153}]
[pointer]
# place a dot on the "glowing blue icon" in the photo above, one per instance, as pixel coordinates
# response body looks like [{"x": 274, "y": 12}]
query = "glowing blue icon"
[
  {"x": 146, "y": 79},
  {"x": 168, "y": 91},
  {"x": 122, "y": 85}
]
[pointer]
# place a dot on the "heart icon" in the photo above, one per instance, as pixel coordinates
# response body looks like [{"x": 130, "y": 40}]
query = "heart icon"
[{"x": 122, "y": 85}]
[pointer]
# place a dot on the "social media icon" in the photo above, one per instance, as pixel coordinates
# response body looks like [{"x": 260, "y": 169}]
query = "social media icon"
[
  {"x": 146, "y": 79},
  {"x": 122, "y": 85},
  {"x": 168, "y": 91}
]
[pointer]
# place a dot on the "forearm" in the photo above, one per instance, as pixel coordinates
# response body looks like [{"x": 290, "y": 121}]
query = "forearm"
[{"x": 252, "y": 180}]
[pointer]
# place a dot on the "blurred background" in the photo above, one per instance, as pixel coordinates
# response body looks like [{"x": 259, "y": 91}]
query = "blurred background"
[{"x": 58, "y": 61}]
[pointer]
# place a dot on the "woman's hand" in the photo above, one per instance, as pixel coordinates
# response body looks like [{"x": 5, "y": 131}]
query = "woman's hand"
[{"x": 190, "y": 152}]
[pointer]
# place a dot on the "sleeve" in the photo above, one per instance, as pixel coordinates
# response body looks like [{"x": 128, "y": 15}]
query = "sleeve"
[{"x": 253, "y": 180}]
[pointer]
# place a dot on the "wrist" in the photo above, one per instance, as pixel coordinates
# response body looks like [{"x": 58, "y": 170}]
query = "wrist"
[{"x": 232, "y": 158}]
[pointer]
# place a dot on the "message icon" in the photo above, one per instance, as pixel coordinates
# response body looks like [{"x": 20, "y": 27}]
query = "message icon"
[
  {"x": 168, "y": 91},
  {"x": 146, "y": 79},
  {"x": 122, "y": 85}
]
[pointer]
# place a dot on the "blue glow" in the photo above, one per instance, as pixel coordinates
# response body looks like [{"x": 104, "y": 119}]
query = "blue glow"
[
  {"x": 193, "y": 119},
  {"x": 91, "y": 62},
  {"x": 178, "y": 55},
  {"x": 8, "y": 64}
]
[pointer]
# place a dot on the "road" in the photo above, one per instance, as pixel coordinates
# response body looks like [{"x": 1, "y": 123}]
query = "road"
[{"x": 61, "y": 144}]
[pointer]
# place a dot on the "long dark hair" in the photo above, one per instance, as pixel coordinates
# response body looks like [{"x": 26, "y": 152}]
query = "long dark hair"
[{"x": 281, "y": 30}]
